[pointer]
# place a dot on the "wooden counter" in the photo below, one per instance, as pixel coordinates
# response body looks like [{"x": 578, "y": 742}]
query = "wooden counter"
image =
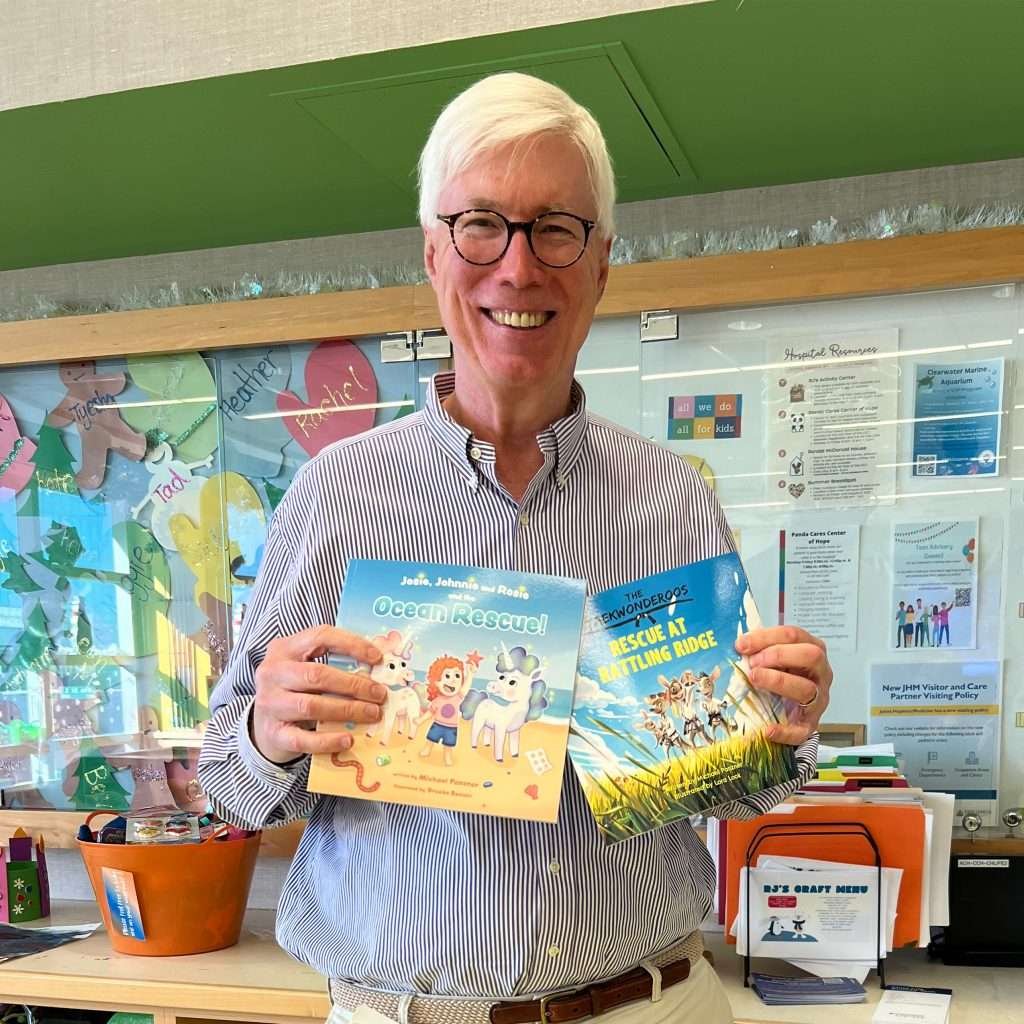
[
  {"x": 257, "y": 981},
  {"x": 253, "y": 981}
]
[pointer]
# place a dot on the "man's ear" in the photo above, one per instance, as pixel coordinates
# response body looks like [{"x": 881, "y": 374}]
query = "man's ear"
[
  {"x": 429, "y": 254},
  {"x": 602, "y": 273}
]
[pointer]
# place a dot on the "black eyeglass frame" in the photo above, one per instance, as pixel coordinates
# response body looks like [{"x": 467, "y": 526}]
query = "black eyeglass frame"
[{"x": 512, "y": 226}]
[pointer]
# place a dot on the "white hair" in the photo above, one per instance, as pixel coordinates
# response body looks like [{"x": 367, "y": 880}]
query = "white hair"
[{"x": 508, "y": 108}]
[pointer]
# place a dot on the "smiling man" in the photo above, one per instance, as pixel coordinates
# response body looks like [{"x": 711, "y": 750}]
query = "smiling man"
[{"x": 441, "y": 916}]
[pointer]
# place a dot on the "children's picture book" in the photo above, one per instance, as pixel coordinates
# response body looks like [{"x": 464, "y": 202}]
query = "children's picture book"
[
  {"x": 666, "y": 723},
  {"x": 480, "y": 665}
]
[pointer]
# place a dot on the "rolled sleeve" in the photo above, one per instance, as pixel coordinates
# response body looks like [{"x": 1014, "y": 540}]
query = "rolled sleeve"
[
  {"x": 761, "y": 803},
  {"x": 245, "y": 788}
]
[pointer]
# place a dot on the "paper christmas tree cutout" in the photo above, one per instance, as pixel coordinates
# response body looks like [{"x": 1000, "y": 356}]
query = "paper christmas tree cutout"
[
  {"x": 18, "y": 579},
  {"x": 96, "y": 787}
]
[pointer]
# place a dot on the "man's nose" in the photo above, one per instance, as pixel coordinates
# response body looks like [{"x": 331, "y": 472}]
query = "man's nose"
[{"x": 519, "y": 266}]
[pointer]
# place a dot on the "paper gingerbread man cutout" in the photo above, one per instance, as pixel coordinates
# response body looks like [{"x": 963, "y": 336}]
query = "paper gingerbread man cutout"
[{"x": 89, "y": 405}]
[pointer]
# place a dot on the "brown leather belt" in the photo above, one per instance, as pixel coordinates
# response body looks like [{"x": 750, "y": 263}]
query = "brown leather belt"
[{"x": 591, "y": 1001}]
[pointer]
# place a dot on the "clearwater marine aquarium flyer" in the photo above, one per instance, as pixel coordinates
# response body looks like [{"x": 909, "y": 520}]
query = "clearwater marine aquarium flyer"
[
  {"x": 666, "y": 724},
  {"x": 480, "y": 665}
]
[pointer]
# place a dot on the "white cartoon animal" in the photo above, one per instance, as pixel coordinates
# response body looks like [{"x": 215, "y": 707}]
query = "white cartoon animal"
[
  {"x": 403, "y": 705},
  {"x": 796, "y": 422},
  {"x": 515, "y": 697}
]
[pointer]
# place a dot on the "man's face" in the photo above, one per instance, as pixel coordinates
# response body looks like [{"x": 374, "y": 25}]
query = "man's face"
[{"x": 547, "y": 174}]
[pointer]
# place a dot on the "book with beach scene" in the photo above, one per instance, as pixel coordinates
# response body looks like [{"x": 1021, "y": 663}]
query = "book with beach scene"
[
  {"x": 666, "y": 723},
  {"x": 480, "y": 666}
]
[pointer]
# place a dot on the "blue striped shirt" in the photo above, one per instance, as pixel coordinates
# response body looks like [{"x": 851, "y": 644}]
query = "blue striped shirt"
[{"x": 443, "y": 902}]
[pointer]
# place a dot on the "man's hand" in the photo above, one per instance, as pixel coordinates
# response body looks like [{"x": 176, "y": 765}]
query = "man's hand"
[
  {"x": 789, "y": 661},
  {"x": 294, "y": 693}
]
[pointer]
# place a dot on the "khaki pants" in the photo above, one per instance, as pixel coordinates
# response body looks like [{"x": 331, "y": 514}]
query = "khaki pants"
[{"x": 700, "y": 999}]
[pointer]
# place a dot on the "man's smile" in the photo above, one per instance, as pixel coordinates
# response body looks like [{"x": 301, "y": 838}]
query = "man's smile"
[{"x": 519, "y": 318}]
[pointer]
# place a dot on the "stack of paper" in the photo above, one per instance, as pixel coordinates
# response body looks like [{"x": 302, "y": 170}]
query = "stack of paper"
[
  {"x": 776, "y": 991},
  {"x": 870, "y": 775},
  {"x": 858, "y": 771},
  {"x": 913, "y": 1006}
]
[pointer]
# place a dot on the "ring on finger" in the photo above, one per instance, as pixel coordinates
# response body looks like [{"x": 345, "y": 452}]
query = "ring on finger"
[{"x": 804, "y": 704}]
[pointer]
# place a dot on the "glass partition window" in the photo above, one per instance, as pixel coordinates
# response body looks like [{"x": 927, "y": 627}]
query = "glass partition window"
[
  {"x": 868, "y": 454},
  {"x": 135, "y": 496}
]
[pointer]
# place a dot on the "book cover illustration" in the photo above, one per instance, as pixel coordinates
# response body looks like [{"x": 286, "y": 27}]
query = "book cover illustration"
[
  {"x": 666, "y": 723},
  {"x": 480, "y": 665}
]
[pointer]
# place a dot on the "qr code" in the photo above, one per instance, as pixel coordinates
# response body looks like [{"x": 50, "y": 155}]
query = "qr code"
[
  {"x": 963, "y": 597},
  {"x": 925, "y": 465}
]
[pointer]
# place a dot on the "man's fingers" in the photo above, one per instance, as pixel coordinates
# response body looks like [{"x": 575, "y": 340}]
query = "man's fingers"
[
  {"x": 758, "y": 639},
  {"x": 801, "y": 659},
  {"x": 303, "y": 741},
  {"x": 314, "y": 677},
  {"x": 320, "y": 640},
  {"x": 297, "y": 706},
  {"x": 798, "y": 689},
  {"x": 790, "y": 735}
]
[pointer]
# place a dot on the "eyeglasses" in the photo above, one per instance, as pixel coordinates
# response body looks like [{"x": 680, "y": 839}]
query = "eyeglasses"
[{"x": 482, "y": 237}]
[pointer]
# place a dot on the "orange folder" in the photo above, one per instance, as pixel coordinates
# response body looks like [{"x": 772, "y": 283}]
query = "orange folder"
[{"x": 898, "y": 832}]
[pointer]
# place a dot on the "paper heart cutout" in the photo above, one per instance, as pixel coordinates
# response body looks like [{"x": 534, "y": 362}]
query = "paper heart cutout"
[
  {"x": 796, "y": 490},
  {"x": 16, "y": 451},
  {"x": 532, "y": 791},
  {"x": 337, "y": 375}
]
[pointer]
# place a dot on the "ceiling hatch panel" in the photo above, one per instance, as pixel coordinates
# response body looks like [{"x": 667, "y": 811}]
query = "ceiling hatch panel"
[{"x": 365, "y": 115}]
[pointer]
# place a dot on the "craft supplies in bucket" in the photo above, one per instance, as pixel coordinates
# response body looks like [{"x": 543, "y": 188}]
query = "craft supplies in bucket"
[{"x": 173, "y": 899}]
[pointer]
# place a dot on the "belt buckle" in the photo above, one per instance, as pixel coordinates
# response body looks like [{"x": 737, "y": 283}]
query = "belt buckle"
[{"x": 544, "y": 1003}]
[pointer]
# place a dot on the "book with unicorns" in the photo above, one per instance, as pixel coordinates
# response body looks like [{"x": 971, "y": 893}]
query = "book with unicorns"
[
  {"x": 480, "y": 666},
  {"x": 666, "y": 723}
]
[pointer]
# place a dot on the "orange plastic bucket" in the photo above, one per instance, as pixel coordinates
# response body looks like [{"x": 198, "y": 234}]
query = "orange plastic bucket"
[{"x": 191, "y": 896}]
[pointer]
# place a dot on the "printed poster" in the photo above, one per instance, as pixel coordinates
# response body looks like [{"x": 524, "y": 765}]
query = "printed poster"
[
  {"x": 935, "y": 585},
  {"x": 705, "y": 417},
  {"x": 943, "y": 718},
  {"x": 957, "y": 417},
  {"x": 818, "y": 573},
  {"x": 832, "y": 420},
  {"x": 812, "y": 915},
  {"x": 480, "y": 666}
]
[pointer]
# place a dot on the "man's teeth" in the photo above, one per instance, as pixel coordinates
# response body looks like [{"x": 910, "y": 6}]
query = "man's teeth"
[{"x": 508, "y": 318}]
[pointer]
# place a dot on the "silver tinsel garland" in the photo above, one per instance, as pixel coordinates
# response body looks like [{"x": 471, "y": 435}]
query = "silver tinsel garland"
[{"x": 923, "y": 219}]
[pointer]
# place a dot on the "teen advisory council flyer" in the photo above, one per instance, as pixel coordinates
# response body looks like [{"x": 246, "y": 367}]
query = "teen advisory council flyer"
[
  {"x": 666, "y": 724},
  {"x": 480, "y": 665}
]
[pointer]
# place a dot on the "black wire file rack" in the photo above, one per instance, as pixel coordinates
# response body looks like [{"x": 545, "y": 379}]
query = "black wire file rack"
[{"x": 833, "y": 830}]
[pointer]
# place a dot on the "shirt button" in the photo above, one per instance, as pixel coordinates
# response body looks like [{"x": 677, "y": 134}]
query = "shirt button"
[
  {"x": 554, "y": 867},
  {"x": 554, "y": 951},
  {"x": 524, "y": 519},
  {"x": 474, "y": 452}
]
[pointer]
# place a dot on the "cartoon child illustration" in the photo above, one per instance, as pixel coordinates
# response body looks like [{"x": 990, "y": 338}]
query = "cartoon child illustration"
[
  {"x": 447, "y": 682},
  {"x": 714, "y": 708}
]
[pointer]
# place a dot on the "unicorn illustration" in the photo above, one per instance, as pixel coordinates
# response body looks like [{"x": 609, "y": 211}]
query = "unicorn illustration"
[
  {"x": 515, "y": 697},
  {"x": 403, "y": 705}
]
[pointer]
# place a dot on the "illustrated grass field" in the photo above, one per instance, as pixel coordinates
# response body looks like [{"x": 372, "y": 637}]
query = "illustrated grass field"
[{"x": 660, "y": 791}]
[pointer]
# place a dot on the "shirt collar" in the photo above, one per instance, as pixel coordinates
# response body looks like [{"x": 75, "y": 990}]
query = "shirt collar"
[{"x": 563, "y": 439}]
